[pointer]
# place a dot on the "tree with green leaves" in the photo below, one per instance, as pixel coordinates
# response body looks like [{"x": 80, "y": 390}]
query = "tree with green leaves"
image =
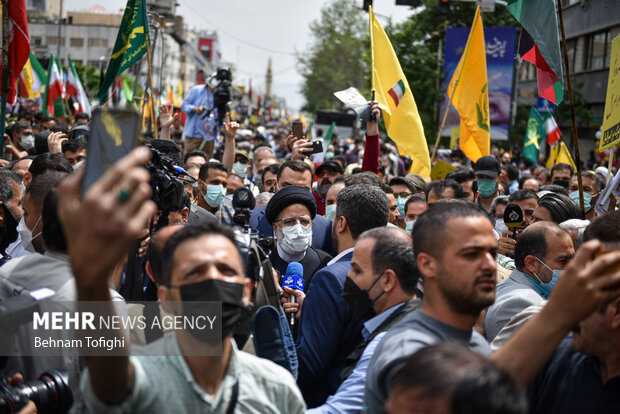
[{"x": 338, "y": 56}]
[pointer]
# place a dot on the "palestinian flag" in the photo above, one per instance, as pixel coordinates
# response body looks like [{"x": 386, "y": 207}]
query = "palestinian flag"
[
  {"x": 397, "y": 91},
  {"x": 540, "y": 44},
  {"x": 553, "y": 131}
]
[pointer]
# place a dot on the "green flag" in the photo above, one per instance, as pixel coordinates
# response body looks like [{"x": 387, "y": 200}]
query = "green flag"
[
  {"x": 130, "y": 44},
  {"x": 534, "y": 135}
]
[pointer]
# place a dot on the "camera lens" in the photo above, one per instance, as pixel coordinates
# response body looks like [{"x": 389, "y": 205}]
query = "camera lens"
[{"x": 50, "y": 393}]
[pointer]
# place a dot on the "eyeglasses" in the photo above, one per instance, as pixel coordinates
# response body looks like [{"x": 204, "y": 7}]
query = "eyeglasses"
[{"x": 291, "y": 221}]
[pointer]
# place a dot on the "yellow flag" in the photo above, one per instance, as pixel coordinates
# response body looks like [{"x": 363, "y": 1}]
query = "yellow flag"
[
  {"x": 392, "y": 91},
  {"x": 560, "y": 154},
  {"x": 471, "y": 98},
  {"x": 28, "y": 79}
]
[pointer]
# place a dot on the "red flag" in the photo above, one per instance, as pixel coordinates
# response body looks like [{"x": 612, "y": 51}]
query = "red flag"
[{"x": 18, "y": 44}]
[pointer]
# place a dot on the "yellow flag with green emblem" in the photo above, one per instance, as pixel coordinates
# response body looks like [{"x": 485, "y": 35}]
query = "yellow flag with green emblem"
[
  {"x": 130, "y": 44},
  {"x": 471, "y": 97},
  {"x": 392, "y": 91}
]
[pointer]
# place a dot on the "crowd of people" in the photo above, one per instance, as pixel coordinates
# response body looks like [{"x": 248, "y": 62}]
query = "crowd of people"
[{"x": 416, "y": 297}]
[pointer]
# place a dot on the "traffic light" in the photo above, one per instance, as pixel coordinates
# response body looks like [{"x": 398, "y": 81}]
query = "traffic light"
[
  {"x": 444, "y": 6},
  {"x": 366, "y": 5}
]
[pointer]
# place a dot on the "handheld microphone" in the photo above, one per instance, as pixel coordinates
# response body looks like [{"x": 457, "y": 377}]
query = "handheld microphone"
[
  {"x": 294, "y": 279},
  {"x": 513, "y": 219}
]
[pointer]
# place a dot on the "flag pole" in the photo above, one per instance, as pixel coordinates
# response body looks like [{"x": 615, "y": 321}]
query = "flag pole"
[
  {"x": 5, "y": 72},
  {"x": 572, "y": 113},
  {"x": 443, "y": 121},
  {"x": 148, "y": 60}
]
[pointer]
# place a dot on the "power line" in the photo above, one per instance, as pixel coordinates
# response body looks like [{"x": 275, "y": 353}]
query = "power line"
[{"x": 235, "y": 37}]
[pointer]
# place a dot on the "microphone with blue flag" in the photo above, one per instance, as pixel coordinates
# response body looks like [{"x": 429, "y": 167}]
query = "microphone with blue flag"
[{"x": 294, "y": 279}]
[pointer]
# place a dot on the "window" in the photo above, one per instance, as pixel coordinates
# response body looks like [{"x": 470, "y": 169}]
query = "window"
[
  {"x": 54, "y": 40},
  {"x": 98, "y": 42},
  {"x": 567, "y": 3},
  {"x": 571, "y": 46},
  {"x": 76, "y": 42},
  {"x": 36, "y": 41},
  {"x": 598, "y": 51},
  {"x": 94, "y": 63}
]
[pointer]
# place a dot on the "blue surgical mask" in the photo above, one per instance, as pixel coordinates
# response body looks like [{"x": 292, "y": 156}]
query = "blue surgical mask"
[
  {"x": 215, "y": 195},
  {"x": 544, "y": 289},
  {"x": 330, "y": 212},
  {"x": 400, "y": 205},
  {"x": 587, "y": 200},
  {"x": 409, "y": 225},
  {"x": 486, "y": 187},
  {"x": 329, "y": 155}
]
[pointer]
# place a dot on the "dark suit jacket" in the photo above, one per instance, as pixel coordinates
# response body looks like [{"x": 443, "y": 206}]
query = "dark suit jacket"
[
  {"x": 328, "y": 332},
  {"x": 321, "y": 229}
]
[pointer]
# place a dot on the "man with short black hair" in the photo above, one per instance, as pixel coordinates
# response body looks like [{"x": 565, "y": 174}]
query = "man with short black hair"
[
  {"x": 455, "y": 248},
  {"x": 527, "y": 201},
  {"x": 541, "y": 251},
  {"x": 195, "y": 157},
  {"x": 11, "y": 213},
  {"x": 212, "y": 182},
  {"x": 269, "y": 178},
  {"x": 380, "y": 290},
  {"x": 488, "y": 175},
  {"x": 403, "y": 189},
  {"x": 561, "y": 174},
  {"x": 199, "y": 262},
  {"x": 328, "y": 329},
  {"x": 467, "y": 179},
  {"x": 414, "y": 207},
  {"x": 75, "y": 150},
  {"x": 326, "y": 174},
  {"x": 438, "y": 190},
  {"x": 584, "y": 374}
]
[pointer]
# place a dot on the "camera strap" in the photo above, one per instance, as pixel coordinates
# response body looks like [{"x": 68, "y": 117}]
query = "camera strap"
[{"x": 234, "y": 396}]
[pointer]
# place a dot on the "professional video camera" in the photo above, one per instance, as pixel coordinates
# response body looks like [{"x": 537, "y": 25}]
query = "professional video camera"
[
  {"x": 254, "y": 249},
  {"x": 221, "y": 93},
  {"x": 167, "y": 178},
  {"x": 50, "y": 393}
]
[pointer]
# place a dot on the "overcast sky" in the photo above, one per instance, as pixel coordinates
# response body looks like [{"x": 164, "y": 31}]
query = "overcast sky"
[{"x": 251, "y": 31}]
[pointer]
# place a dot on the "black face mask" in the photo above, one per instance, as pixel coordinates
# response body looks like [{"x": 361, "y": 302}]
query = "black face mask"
[
  {"x": 212, "y": 290},
  {"x": 358, "y": 300},
  {"x": 8, "y": 232},
  {"x": 563, "y": 183}
]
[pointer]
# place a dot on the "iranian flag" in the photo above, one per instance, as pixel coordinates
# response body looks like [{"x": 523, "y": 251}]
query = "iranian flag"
[
  {"x": 397, "y": 91},
  {"x": 76, "y": 90},
  {"x": 552, "y": 130},
  {"x": 53, "y": 92}
]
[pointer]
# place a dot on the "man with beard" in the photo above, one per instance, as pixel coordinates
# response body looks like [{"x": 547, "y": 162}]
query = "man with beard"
[
  {"x": 326, "y": 174},
  {"x": 584, "y": 374},
  {"x": 10, "y": 212},
  {"x": 201, "y": 263},
  {"x": 455, "y": 254}
]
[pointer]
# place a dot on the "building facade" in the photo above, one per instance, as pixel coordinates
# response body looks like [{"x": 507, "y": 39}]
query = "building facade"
[{"x": 590, "y": 26}]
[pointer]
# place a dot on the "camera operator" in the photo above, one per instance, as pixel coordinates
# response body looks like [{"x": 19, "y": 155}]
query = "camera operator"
[
  {"x": 198, "y": 129},
  {"x": 200, "y": 261}
]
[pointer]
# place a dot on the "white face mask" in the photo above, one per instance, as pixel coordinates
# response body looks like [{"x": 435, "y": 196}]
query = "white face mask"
[
  {"x": 26, "y": 234},
  {"x": 240, "y": 169},
  {"x": 296, "y": 239},
  {"x": 27, "y": 142},
  {"x": 500, "y": 226}
]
